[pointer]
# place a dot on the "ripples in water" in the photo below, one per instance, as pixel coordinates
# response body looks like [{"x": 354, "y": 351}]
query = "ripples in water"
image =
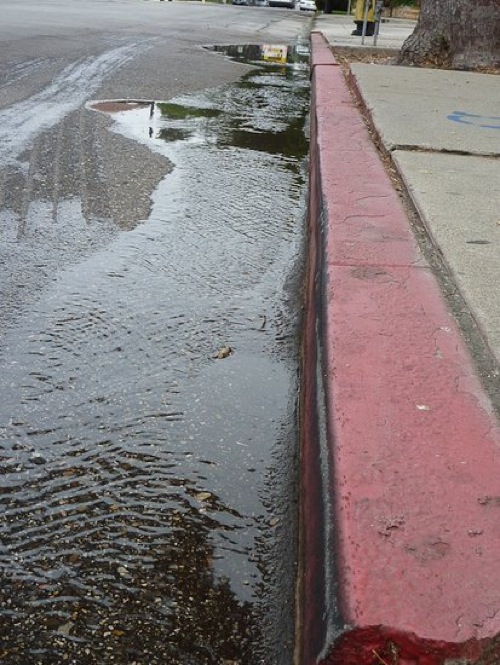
[{"x": 147, "y": 501}]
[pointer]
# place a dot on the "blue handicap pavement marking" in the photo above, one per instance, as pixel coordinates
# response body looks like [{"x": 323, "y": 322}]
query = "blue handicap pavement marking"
[{"x": 482, "y": 121}]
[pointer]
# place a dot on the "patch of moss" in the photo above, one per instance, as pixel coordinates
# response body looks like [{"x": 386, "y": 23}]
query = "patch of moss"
[{"x": 177, "y": 111}]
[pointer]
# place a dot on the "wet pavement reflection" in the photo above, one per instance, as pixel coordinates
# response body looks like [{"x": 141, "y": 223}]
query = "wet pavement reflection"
[{"x": 148, "y": 402}]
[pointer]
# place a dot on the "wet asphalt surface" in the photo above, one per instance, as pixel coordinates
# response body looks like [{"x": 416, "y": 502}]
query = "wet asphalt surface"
[{"x": 150, "y": 285}]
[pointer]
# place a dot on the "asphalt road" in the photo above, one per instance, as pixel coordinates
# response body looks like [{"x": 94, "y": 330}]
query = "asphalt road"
[
  {"x": 163, "y": 41},
  {"x": 150, "y": 272}
]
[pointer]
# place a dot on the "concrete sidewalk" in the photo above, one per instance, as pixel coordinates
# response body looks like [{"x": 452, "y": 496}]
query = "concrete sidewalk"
[
  {"x": 401, "y": 437},
  {"x": 337, "y": 30},
  {"x": 443, "y": 130}
]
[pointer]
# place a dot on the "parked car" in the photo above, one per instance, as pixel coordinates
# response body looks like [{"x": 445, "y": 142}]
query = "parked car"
[
  {"x": 290, "y": 4},
  {"x": 240, "y": 2},
  {"x": 307, "y": 6}
]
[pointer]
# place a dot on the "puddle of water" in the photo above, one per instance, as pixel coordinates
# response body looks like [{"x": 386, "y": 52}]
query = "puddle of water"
[
  {"x": 173, "y": 134},
  {"x": 148, "y": 502},
  {"x": 285, "y": 54}
]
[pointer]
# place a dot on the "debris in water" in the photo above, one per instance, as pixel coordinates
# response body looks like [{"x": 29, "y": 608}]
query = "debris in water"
[{"x": 224, "y": 352}]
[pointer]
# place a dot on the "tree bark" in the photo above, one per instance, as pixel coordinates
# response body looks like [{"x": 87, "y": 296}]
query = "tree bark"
[{"x": 459, "y": 34}]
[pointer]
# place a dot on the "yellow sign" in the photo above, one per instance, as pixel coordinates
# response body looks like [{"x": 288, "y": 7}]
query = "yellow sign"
[{"x": 275, "y": 52}]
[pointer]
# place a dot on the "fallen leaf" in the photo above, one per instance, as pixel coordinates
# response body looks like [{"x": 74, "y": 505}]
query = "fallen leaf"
[
  {"x": 203, "y": 496},
  {"x": 121, "y": 570},
  {"x": 65, "y": 628}
]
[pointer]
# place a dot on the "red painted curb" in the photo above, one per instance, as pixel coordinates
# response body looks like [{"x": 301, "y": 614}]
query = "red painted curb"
[{"x": 410, "y": 468}]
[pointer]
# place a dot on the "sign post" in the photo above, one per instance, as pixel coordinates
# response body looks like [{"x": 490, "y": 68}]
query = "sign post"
[{"x": 365, "y": 21}]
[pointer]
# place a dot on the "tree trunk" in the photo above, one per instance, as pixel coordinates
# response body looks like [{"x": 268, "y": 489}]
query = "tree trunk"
[{"x": 459, "y": 34}]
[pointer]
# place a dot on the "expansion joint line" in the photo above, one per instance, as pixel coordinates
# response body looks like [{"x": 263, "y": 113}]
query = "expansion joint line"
[{"x": 443, "y": 151}]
